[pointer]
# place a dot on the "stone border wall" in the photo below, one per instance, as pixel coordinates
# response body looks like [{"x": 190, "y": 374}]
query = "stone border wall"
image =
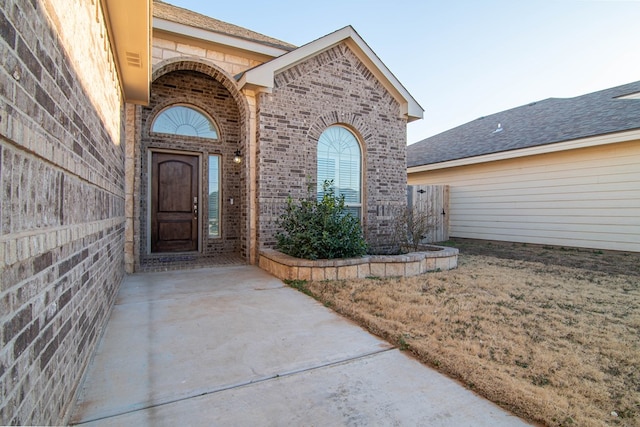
[{"x": 286, "y": 267}]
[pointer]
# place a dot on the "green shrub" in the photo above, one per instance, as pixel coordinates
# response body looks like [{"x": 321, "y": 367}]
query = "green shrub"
[{"x": 320, "y": 229}]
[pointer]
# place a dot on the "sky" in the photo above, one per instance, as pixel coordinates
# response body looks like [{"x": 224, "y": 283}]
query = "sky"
[{"x": 464, "y": 59}]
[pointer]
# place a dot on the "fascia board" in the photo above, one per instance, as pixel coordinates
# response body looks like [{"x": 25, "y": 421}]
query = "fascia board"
[
  {"x": 258, "y": 77},
  {"x": 213, "y": 37},
  {"x": 593, "y": 141},
  {"x": 263, "y": 75}
]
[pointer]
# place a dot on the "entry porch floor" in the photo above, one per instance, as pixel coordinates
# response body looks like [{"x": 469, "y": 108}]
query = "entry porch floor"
[{"x": 188, "y": 260}]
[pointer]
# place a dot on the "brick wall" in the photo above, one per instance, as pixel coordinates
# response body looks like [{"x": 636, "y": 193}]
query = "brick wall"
[
  {"x": 62, "y": 201},
  {"x": 333, "y": 87},
  {"x": 204, "y": 92}
]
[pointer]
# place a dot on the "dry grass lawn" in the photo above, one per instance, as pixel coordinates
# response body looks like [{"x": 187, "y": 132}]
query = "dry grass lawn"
[{"x": 549, "y": 333}]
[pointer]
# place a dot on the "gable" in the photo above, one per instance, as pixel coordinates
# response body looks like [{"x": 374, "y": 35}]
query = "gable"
[
  {"x": 262, "y": 78},
  {"x": 337, "y": 73}
]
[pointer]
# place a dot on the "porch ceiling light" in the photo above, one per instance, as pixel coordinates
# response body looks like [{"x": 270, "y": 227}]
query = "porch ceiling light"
[{"x": 237, "y": 158}]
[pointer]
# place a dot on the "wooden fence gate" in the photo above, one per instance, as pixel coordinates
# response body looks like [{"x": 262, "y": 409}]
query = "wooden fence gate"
[{"x": 434, "y": 200}]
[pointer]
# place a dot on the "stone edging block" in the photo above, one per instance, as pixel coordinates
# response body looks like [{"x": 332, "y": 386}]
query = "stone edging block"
[{"x": 286, "y": 267}]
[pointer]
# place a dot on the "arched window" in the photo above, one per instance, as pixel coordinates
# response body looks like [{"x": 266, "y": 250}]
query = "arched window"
[
  {"x": 187, "y": 121},
  {"x": 339, "y": 159}
]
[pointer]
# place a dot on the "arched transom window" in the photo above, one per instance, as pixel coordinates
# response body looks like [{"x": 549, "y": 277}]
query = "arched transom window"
[
  {"x": 339, "y": 159},
  {"x": 187, "y": 121}
]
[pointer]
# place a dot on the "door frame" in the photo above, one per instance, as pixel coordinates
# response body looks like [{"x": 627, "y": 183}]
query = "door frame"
[{"x": 150, "y": 152}]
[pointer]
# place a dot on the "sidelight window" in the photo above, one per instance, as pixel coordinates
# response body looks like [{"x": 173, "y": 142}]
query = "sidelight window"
[{"x": 214, "y": 196}]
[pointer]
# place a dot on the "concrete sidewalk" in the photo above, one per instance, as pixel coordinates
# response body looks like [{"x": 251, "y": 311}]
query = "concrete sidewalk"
[{"x": 234, "y": 346}]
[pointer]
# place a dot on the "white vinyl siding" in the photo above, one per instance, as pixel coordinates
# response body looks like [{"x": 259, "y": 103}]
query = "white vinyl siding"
[{"x": 586, "y": 197}]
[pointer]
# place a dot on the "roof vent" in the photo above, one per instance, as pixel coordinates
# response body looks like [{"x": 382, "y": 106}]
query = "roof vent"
[
  {"x": 635, "y": 95},
  {"x": 498, "y": 129},
  {"x": 133, "y": 59}
]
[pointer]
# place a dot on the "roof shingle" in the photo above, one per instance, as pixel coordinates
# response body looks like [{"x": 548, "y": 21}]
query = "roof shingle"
[
  {"x": 187, "y": 17},
  {"x": 544, "y": 122}
]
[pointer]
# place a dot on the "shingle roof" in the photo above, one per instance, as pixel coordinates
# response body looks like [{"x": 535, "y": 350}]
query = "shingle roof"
[
  {"x": 538, "y": 123},
  {"x": 187, "y": 17}
]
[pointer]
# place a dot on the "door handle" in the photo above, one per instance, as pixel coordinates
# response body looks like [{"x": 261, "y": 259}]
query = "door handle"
[{"x": 195, "y": 207}]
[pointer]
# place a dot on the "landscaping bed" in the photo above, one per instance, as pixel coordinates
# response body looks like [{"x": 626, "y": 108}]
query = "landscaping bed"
[
  {"x": 430, "y": 258},
  {"x": 552, "y": 334}
]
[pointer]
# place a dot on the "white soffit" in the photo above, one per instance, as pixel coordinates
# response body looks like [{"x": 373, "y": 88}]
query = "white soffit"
[
  {"x": 263, "y": 75},
  {"x": 213, "y": 37},
  {"x": 129, "y": 27},
  {"x": 592, "y": 141}
]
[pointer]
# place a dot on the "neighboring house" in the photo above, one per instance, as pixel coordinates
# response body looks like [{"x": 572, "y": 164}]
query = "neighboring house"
[
  {"x": 136, "y": 136},
  {"x": 558, "y": 172}
]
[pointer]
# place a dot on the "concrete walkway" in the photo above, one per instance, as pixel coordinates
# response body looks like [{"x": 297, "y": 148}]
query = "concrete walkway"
[{"x": 233, "y": 346}]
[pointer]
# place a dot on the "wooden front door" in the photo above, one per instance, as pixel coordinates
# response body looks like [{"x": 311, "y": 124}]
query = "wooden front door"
[{"x": 174, "y": 202}]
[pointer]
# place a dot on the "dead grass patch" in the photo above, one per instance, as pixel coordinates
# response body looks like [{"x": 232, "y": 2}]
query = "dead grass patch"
[{"x": 554, "y": 344}]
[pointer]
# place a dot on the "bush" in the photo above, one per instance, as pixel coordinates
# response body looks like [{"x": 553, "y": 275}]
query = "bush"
[
  {"x": 320, "y": 229},
  {"x": 412, "y": 225}
]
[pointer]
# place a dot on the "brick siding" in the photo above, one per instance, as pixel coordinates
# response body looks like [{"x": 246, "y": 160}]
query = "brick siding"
[
  {"x": 333, "y": 87},
  {"x": 62, "y": 201}
]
